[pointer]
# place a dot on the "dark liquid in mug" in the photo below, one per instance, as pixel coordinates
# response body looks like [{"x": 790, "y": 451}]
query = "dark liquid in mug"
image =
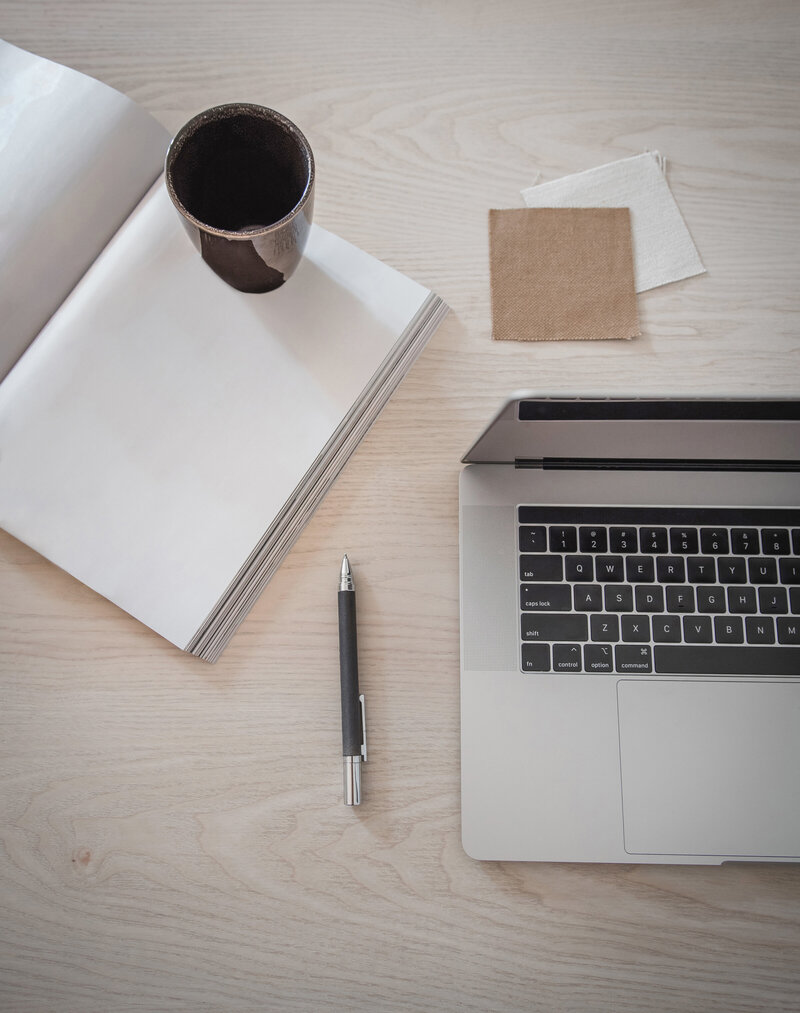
[{"x": 241, "y": 173}]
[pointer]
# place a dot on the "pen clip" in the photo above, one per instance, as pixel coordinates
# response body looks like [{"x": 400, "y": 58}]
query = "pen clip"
[{"x": 363, "y": 728}]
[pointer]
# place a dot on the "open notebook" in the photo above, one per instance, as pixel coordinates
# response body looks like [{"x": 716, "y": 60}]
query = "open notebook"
[{"x": 164, "y": 437}]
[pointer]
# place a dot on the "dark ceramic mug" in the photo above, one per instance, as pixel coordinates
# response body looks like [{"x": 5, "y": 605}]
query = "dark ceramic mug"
[{"x": 242, "y": 178}]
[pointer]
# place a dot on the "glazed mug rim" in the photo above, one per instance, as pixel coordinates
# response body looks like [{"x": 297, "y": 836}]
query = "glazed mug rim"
[{"x": 226, "y": 110}]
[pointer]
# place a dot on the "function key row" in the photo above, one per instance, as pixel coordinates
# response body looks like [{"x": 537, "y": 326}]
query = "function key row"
[
  {"x": 677, "y": 540},
  {"x": 638, "y": 569}
]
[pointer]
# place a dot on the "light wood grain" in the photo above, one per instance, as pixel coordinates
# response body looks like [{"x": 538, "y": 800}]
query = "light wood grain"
[{"x": 172, "y": 836}]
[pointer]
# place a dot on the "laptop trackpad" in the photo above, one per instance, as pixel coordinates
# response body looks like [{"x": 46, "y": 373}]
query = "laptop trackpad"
[{"x": 710, "y": 767}]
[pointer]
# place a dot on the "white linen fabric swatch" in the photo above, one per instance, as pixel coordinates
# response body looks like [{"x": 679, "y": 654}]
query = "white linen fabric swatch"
[{"x": 663, "y": 250}]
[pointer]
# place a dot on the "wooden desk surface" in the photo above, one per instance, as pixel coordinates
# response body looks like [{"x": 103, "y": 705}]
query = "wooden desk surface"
[{"x": 172, "y": 835}]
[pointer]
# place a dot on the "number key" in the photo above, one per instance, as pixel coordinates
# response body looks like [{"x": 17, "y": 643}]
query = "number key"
[
  {"x": 624, "y": 540},
  {"x": 714, "y": 540},
  {"x": 563, "y": 539},
  {"x": 593, "y": 539},
  {"x": 654, "y": 539},
  {"x": 775, "y": 542},
  {"x": 683, "y": 540},
  {"x": 744, "y": 541}
]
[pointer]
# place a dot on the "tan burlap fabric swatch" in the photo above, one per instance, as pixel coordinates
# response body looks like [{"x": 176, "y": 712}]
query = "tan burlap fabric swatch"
[{"x": 562, "y": 273}]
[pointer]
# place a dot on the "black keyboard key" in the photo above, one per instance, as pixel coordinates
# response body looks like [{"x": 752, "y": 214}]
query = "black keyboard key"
[
  {"x": 732, "y": 569},
  {"x": 670, "y": 569},
  {"x": 610, "y": 568},
  {"x": 540, "y": 568},
  {"x": 623, "y": 540},
  {"x": 640, "y": 569},
  {"x": 653, "y": 540},
  {"x": 593, "y": 539},
  {"x": 535, "y": 657},
  {"x": 745, "y": 541},
  {"x": 697, "y": 629},
  {"x": 794, "y": 600},
  {"x": 633, "y": 658},
  {"x": 666, "y": 629},
  {"x": 636, "y": 629},
  {"x": 775, "y": 542},
  {"x": 587, "y": 598},
  {"x": 604, "y": 629},
  {"x": 796, "y": 541},
  {"x": 683, "y": 541},
  {"x": 742, "y": 600},
  {"x": 700, "y": 569},
  {"x": 554, "y": 626},
  {"x": 789, "y": 633},
  {"x": 772, "y": 601},
  {"x": 598, "y": 658},
  {"x": 762, "y": 570},
  {"x": 618, "y": 598},
  {"x": 728, "y": 630},
  {"x": 563, "y": 539},
  {"x": 789, "y": 570},
  {"x": 714, "y": 541},
  {"x": 579, "y": 568},
  {"x": 545, "y": 597},
  {"x": 680, "y": 599},
  {"x": 711, "y": 599},
  {"x": 567, "y": 658},
  {"x": 760, "y": 629},
  {"x": 649, "y": 598},
  {"x": 533, "y": 539},
  {"x": 680, "y": 659}
]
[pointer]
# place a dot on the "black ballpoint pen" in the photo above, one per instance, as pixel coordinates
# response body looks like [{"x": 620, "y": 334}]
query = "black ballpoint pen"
[{"x": 354, "y": 726}]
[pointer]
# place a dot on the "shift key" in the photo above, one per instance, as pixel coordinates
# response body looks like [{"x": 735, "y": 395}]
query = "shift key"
[{"x": 554, "y": 626}]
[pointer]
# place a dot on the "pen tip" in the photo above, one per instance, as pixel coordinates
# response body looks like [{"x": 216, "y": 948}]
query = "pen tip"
[{"x": 346, "y": 576}]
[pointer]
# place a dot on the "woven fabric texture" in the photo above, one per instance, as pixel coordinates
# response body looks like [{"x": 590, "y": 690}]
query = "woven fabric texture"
[{"x": 562, "y": 274}]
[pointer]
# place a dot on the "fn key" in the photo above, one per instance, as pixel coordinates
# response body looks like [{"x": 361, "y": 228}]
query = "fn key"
[{"x": 535, "y": 657}]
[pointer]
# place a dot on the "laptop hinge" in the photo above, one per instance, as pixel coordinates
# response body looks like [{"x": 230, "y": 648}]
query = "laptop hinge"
[{"x": 651, "y": 464}]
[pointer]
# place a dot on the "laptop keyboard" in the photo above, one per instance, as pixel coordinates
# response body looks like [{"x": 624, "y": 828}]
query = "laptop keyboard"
[{"x": 675, "y": 591}]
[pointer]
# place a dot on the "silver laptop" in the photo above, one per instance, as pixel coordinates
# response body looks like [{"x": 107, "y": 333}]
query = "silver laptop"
[{"x": 630, "y": 631}]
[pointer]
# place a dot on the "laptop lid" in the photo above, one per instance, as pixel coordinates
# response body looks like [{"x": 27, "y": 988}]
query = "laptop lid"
[{"x": 566, "y": 432}]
